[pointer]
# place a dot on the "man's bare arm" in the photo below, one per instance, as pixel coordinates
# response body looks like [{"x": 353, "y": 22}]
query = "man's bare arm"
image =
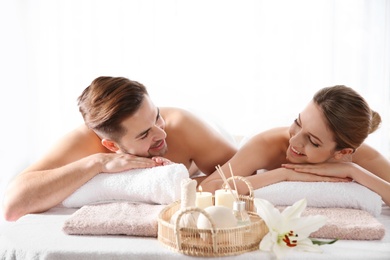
[{"x": 73, "y": 161}]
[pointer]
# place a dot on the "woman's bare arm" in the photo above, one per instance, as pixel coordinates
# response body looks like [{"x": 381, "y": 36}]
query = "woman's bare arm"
[{"x": 368, "y": 167}]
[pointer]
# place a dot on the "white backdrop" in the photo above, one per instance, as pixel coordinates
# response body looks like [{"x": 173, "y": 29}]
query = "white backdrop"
[{"x": 248, "y": 64}]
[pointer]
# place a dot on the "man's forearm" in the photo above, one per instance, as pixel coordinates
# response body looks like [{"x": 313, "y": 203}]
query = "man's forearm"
[{"x": 38, "y": 191}]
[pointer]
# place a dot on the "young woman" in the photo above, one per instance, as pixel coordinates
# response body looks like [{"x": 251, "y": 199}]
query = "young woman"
[{"x": 324, "y": 143}]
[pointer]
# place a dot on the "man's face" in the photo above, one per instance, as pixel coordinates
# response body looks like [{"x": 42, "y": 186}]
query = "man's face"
[{"x": 145, "y": 135}]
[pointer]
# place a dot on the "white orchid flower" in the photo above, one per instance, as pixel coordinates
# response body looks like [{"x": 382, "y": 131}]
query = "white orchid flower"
[{"x": 287, "y": 229}]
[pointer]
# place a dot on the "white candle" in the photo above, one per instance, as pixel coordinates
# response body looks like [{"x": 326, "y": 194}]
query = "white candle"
[
  {"x": 225, "y": 198},
  {"x": 203, "y": 199}
]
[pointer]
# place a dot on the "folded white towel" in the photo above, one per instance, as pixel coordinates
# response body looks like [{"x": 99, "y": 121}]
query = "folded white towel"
[
  {"x": 322, "y": 195},
  {"x": 157, "y": 185}
]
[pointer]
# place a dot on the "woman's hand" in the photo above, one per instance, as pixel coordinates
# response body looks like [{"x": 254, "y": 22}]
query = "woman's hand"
[{"x": 328, "y": 171}]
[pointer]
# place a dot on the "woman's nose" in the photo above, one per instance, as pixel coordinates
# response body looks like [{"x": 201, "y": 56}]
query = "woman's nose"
[{"x": 297, "y": 139}]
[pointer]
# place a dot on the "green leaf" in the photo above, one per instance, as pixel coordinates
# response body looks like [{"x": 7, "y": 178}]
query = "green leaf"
[{"x": 320, "y": 243}]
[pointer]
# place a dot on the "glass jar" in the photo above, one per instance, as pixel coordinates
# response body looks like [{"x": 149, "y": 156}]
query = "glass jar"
[{"x": 240, "y": 213}]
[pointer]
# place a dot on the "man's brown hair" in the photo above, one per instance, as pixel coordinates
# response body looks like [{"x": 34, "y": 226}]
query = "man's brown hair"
[{"x": 107, "y": 102}]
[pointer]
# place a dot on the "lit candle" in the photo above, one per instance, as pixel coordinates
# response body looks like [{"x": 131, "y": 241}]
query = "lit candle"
[
  {"x": 225, "y": 198},
  {"x": 203, "y": 199}
]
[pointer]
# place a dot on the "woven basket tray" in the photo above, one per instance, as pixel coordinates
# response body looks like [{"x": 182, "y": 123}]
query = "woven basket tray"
[{"x": 214, "y": 241}]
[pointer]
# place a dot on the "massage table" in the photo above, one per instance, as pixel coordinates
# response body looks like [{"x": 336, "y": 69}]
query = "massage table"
[{"x": 40, "y": 236}]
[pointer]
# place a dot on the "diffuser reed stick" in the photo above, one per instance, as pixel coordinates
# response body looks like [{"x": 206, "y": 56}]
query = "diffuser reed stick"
[
  {"x": 234, "y": 181},
  {"x": 220, "y": 171}
]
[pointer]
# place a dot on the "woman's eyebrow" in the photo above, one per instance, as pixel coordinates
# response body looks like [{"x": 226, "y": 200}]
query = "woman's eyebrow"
[{"x": 314, "y": 136}]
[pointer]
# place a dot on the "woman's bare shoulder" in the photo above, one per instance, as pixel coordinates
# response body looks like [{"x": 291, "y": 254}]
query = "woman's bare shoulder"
[
  {"x": 365, "y": 153},
  {"x": 273, "y": 135},
  {"x": 272, "y": 142}
]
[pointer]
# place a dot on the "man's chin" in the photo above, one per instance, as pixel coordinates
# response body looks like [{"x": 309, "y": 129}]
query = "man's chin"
[{"x": 160, "y": 152}]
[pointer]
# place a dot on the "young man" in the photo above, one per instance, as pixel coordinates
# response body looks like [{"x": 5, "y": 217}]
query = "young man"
[{"x": 123, "y": 130}]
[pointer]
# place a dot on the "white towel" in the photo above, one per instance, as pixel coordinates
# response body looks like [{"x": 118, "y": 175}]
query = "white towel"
[
  {"x": 157, "y": 185},
  {"x": 322, "y": 195}
]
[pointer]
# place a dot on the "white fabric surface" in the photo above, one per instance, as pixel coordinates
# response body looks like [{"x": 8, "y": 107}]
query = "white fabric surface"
[
  {"x": 322, "y": 195},
  {"x": 158, "y": 185},
  {"x": 40, "y": 236}
]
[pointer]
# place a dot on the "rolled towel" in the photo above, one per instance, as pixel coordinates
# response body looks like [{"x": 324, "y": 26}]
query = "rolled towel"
[
  {"x": 322, "y": 195},
  {"x": 157, "y": 185}
]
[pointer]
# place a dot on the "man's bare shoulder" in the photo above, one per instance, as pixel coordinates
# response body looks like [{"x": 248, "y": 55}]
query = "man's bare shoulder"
[
  {"x": 82, "y": 132},
  {"x": 191, "y": 138},
  {"x": 184, "y": 123},
  {"x": 174, "y": 115},
  {"x": 82, "y": 138},
  {"x": 76, "y": 144}
]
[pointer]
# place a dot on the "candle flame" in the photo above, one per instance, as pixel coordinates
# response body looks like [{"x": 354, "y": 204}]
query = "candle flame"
[{"x": 200, "y": 189}]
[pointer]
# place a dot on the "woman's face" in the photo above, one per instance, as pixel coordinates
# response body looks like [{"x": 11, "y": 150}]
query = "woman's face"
[{"x": 311, "y": 141}]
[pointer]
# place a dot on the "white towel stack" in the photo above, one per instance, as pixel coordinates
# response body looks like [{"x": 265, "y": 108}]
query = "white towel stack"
[
  {"x": 157, "y": 185},
  {"x": 323, "y": 195}
]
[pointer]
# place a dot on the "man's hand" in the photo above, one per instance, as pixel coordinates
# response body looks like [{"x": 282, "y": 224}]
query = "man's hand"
[
  {"x": 161, "y": 161},
  {"x": 112, "y": 163}
]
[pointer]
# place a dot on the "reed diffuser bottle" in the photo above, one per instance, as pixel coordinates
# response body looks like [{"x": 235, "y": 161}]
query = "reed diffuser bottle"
[{"x": 240, "y": 213}]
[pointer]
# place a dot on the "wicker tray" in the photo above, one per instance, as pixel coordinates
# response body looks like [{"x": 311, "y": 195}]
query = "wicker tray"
[{"x": 214, "y": 241}]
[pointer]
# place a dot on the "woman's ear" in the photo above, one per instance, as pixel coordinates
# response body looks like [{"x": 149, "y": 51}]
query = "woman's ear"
[
  {"x": 344, "y": 154},
  {"x": 110, "y": 145}
]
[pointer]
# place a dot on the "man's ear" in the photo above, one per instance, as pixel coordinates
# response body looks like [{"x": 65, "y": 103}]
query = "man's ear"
[
  {"x": 346, "y": 152},
  {"x": 110, "y": 145}
]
